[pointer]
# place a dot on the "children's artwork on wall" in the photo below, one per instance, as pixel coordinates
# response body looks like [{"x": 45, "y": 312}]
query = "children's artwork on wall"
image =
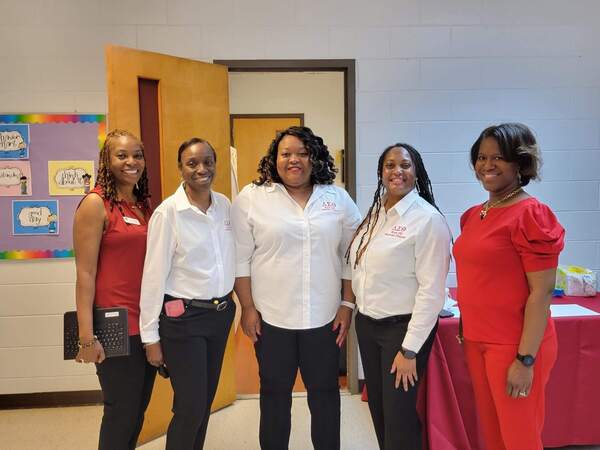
[
  {"x": 14, "y": 141},
  {"x": 51, "y": 137},
  {"x": 70, "y": 177},
  {"x": 15, "y": 178},
  {"x": 35, "y": 217}
]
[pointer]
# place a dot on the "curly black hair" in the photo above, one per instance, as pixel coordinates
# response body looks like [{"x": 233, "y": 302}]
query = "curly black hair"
[
  {"x": 423, "y": 185},
  {"x": 323, "y": 167}
]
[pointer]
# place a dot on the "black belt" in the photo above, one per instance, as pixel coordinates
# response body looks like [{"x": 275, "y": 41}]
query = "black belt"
[
  {"x": 401, "y": 318},
  {"x": 219, "y": 303}
]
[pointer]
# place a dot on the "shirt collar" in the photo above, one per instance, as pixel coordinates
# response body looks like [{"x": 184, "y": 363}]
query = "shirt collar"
[
  {"x": 182, "y": 202},
  {"x": 405, "y": 202}
]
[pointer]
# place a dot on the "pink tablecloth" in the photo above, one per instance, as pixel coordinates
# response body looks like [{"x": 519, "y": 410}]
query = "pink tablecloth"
[{"x": 572, "y": 396}]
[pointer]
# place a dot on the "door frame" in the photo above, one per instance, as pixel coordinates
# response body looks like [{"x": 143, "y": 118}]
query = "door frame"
[{"x": 348, "y": 68}]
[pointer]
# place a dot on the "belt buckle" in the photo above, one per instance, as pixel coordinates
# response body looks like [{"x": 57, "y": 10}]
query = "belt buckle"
[{"x": 222, "y": 306}]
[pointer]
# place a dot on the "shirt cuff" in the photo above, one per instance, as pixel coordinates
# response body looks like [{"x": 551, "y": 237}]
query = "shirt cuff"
[
  {"x": 242, "y": 270},
  {"x": 412, "y": 343},
  {"x": 149, "y": 336}
]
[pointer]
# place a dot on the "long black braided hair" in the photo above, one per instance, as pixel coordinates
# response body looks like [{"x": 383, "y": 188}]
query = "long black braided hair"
[{"x": 423, "y": 185}]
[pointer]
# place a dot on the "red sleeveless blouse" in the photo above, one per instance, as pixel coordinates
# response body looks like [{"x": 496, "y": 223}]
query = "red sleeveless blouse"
[{"x": 121, "y": 259}]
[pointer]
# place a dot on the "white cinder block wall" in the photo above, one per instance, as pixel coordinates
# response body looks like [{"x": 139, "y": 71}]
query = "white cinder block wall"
[{"x": 432, "y": 73}]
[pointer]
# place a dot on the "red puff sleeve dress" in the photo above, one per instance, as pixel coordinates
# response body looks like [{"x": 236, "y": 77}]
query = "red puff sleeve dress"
[{"x": 492, "y": 257}]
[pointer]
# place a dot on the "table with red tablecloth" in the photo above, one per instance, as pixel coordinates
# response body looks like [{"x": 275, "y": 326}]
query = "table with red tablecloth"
[{"x": 572, "y": 395}]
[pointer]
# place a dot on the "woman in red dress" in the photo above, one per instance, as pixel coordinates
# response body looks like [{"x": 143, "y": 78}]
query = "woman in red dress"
[
  {"x": 109, "y": 236},
  {"x": 506, "y": 259}
]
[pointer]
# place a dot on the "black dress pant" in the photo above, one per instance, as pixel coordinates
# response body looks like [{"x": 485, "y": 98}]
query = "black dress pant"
[
  {"x": 280, "y": 352},
  {"x": 394, "y": 411},
  {"x": 126, "y": 383},
  {"x": 193, "y": 346}
]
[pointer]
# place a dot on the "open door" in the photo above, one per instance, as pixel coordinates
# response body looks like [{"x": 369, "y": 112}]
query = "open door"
[
  {"x": 191, "y": 98},
  {"x": 252, "y": 135}
]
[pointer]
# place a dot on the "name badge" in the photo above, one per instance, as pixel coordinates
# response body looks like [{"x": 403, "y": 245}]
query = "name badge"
[{"x": 131, "y": 220}]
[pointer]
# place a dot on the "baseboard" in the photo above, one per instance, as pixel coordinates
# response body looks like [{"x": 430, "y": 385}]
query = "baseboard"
[{"x": 50, "y": 399}]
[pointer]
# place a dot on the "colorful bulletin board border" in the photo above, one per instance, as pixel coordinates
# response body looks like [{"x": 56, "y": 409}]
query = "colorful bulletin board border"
[{"x": 100, "y": 120}]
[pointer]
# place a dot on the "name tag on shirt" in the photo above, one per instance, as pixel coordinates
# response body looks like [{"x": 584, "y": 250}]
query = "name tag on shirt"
[
  {"x": 131, "y": 220},
  {"x": 227, "y": 225}
]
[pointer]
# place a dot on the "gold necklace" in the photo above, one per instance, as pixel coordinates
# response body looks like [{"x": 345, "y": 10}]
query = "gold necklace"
[{"x": 487, "y": 205}]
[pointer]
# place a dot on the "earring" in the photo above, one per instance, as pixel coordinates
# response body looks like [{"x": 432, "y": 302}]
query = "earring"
[
  {"x": 519, "y": 178},
  {"x": 417, "y": 185}
]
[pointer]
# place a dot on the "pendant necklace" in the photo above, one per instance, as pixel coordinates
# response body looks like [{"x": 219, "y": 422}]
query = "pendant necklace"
[{"x": 487, "y": 205}]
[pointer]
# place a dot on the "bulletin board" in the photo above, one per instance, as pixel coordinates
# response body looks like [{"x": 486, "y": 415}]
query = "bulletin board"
[{"x": 47, "y": 164}]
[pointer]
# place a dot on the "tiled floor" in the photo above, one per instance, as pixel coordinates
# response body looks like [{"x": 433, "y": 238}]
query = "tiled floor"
[{"x": 232, "y": 428}]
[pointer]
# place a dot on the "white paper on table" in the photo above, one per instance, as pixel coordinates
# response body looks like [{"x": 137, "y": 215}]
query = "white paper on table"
[{"x": 571, "y": 311}]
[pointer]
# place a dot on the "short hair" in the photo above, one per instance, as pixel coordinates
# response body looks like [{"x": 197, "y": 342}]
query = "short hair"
[
  {"x": 195, "y": 140},
  {"x": 323, "y": 166},
  {"x": 517, "y": 144}
]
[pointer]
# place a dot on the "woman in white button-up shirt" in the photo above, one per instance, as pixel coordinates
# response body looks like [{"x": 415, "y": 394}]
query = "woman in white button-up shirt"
[
  {"x": 399, "y": 258},
  {"x": 186, "y": 306},
  {"x": 292, "y": 227}
]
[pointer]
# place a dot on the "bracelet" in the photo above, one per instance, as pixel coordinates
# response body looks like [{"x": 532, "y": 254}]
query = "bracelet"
[
  {"x": 88, "y": 344},
  {"x": 348, "y": 304}
]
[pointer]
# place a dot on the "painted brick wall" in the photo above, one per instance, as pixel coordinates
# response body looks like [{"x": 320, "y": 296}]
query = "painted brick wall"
[{"x": 430, "y": 72}]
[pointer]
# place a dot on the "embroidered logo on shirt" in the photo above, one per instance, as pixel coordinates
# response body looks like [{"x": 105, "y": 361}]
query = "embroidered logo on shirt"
[
  {"x": 397, "y": 231},
  {"x": 328, "y": 206},
  {"x": 227, "y": 225}
]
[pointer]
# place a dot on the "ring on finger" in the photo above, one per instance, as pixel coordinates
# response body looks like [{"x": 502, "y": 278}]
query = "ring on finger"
[{"x": 522, "y": 394}]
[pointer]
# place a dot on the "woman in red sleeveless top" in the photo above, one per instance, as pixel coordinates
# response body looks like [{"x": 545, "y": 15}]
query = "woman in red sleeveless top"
[
  {"x": 109, "y": 237},
  {"x": 506, "y": 258}
]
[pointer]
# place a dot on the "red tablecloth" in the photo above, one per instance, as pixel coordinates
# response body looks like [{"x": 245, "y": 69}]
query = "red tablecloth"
[{"x": 572, "y": 395}]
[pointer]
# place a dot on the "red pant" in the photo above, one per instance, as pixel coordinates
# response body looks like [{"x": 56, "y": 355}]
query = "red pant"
[{"x": 509, "y": 423}]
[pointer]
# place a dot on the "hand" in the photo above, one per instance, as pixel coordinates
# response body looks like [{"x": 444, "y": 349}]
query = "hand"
[
  {"x": 92, "y": 354},
  {"x": 342, "y": 323},
  {"x": 251, "y": 322},
  {"x": 519, "y": 379},
  {"x": 154, "y": 354},
  {"x": 406, "y": 371}
]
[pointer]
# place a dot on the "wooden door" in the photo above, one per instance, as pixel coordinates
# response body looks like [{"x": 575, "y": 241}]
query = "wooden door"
[
  {"x": 252, "y": 135},
  {"x": 193, "y": 101}
]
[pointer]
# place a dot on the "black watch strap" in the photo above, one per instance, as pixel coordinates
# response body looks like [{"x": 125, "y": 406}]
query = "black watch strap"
[
  {"x": 526, "y": 360},
  {"x": 408, "y": 354}
]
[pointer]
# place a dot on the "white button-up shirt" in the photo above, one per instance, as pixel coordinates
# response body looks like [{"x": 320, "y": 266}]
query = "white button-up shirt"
[
  {"x": 294, "y": 256},
  {"x": 189, "y": 254},
  {"x": 403, "y": 269}
]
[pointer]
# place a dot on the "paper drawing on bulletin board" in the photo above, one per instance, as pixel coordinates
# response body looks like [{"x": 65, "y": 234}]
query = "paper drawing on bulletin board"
[
  {"x": 15, "y": 178},
  {"x": 14, "y": 141},
  {"x": 31, "y": 217},
  {"x": 70, "y": 177},
  {"x": 51, "y": 137}
]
